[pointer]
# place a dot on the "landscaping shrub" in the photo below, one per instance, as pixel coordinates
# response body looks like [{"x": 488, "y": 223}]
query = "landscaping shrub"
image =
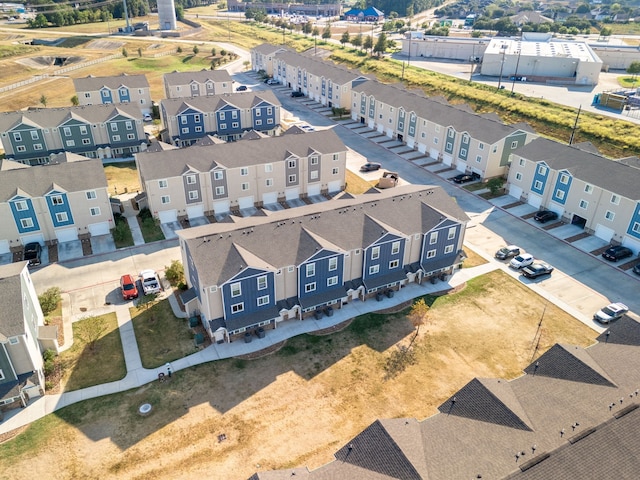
[
  {"x": 49, "y": 300},
  {"x": 175, "y": 273},
  {"x": 144, "y": 214}
]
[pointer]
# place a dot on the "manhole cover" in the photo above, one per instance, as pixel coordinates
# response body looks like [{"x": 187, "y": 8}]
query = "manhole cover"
[{"x": 145, "y": 409}]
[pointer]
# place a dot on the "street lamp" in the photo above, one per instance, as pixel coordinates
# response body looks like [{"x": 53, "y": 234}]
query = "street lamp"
[{"x": 516, "y": 72}]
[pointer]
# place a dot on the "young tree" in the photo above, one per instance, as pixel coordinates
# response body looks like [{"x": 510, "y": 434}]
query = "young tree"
[
  {"x": 381, "y": 45},
  {"x": 419, "y": 315},
  {"x": 326, "y": 33},
  {"x": 345, "y": 38},
  {"x": 74, "y": 101},
  {"x": 139, "y": 52},
  {"x": 315, "y": 32},
  {"x": 367, "y": 43},
  {"x": 357, "y": 40},
  {"x": 44, "y": 100},
  {"x": 89, "y": 330},
  {"x": 49, "y": 300},
  {"x": 195, "y": 49},
  {"x": 125, "y": 54},
  {"x": 174, "y": 272},
  {"x": 634, "y": 68},
  {"x": 213, "y": 52}
]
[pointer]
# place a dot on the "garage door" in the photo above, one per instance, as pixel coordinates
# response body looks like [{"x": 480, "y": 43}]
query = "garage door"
[
  {"x": 245, "y": 202},
  {"x": 221, "y": 207},
  {"x": 447, "y": 159},
  {"x": 632, "y": 243},
  {"x": 515, "y": 191},
  {"x": 4, "y": 246},
  {"x": 168, "y": 216},
  {"x": 433, "y": 153},
  {"x": 100, "y": 228},
  {"x": 195, "y": 211},
  {"x": 461, "y": 167},
  {"x": 67, "y": 234},
  {"x": 269, "y": 198},
  {"x": 534, "y": 200},
  {"x": 38, "y": 237},
  {"x": 334, "y": 186},
  {"x": 313, "y": 190},
  {"x": 292, "y": 193},
  {"x": 604, "y": 233}
]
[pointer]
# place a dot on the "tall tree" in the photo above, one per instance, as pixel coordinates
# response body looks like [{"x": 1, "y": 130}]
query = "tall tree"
[
  {"x": 381, "y": 45},
  {"x": 345, "y": 38},
  {"x": 368, "y": 42}
]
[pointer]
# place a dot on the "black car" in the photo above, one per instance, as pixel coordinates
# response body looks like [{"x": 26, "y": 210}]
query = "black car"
[
  {"x": 636, "y": 269},
  {"x": 370, "y": 167},
  {"x": 297, "y": 94},
  {"x": 617, "y": 252},
  {"x": 537, "y": 269},
  {"x": 466, "y": 177},
  {"x": 507, "y": 252},
  {"x": 32, "y": 253},
  {"x": 544, "y": 216},
  {"x": 241, "y": 88}
]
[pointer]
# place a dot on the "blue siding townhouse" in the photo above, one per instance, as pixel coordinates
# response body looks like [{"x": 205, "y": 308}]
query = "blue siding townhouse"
[
  {"x": 259, "y": 271},
  {"x": 226, "y": 116},
  {"x": 123, "y": 88}
]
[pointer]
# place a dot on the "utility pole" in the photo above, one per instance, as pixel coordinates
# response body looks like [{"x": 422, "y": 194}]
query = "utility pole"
[
  {"x": 516, "y": 72},
  {"x": 504, "y": 51},
  {"x": 575, "y": 126}
]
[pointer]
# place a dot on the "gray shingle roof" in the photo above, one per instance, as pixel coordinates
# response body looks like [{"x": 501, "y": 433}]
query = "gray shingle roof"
[
  {"x": 199, "y": 76},
  {"x": 211, "y": 103},
  {"x": 321, "y": 68},
  {"x": 171, "y": 163},
  {"x": 625, "y": 331},
  {"x": 460, "y": 118},
  {"x": 267, "y": 48},
  {"x": 92, "y": 84},
  {"x": 38, "y": 180},
  {"x": 327, "y": 219},
  {"x": 11, "y": 313},
  {"x": 620, "y": 177}
]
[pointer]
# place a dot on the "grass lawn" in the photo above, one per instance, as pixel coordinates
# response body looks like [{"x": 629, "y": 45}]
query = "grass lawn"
[
  {"x": 84, "y": 367},
  {"x": 122, "y": 177},
  {"x": 299, "y": 405},
  {"x": 629, "y": 82},
  {"x": 473, "y": 259},
  {"x": 472, "y": 187},
  {"x": 122, "y": 233},
  {"x": 356, "y": 184},
  {"x": 161, "y": 336},
  {"x": 151, "y": 231}
]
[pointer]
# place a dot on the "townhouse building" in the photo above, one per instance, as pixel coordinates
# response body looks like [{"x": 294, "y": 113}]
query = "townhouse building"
[
  {"x": 452, "y": 134},
  {"x": 322, "y": 81},
  {"x": 23, "y": 338},
  {"x": 289, "y": 265},
  {"x": 52, "y": 203},
  {"x": 262, "y": 57},
  {"x": 197, "y": 84},
  {"x": 581, "y": 186},
  {"x": 94, "y": 131},
  {"x": 122, "y": 88},
  {"x": 216, "y": 179},
  {"x": 226, "y": 116}
]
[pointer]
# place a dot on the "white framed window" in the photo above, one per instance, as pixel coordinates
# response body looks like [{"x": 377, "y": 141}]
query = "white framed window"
[
  {"x": 375, "y": 253},
  {"x": 163, "y": 184},
  {"x": 244, "y": 186},
  {"x": 184, "y": 130},
  {"x": 268, "y": 182},
  {"x": 128, "y": 125},
  {"x": 335, "y": 171},
  {"x": 357, "y": 252},
  {"x": 244, "y": 171},
  {"x": 311, "y": 269},
  {"x": 221, "y": 116},
  {"x": 223, "y": 126},
  {"x": 564, "y": 179},
  {"x": 191, "y": 179},
  {"x": 21, "y": 205},
  {"x": 373, "y": 269},
  {"x": 588, "y": 188},
  {"x": 394, "y": 264},
  {"x": 537, "y": 185},
  {"x": 95, "y": 211},
  {"x": 262, "y": 282},
  {"x": 480, "y": 146},
  {"x": 609, "y": 215},
  {"x": 313, "y": 175},
  {"x": 314, "y": 160},
  {"x": 395, "y": 248},
  {"x": 518, "y": 176},
  {"x": 62, "y": 217},
  {"x": 236, "y": 289},
  {"x": 452, "y": 233},
  {"x": 237, "y": 125},
  {"x": 65, "y": 130},
  {"x": 449, "y": 146},
  {"x": 263, "y": 300},
  {"x": 522, "y": 162},
  {"x": 196, "y": 118},
  {"x": 234, "y": 114},
  {"x": 17, "y": 136},
  {"x": 291, "y": 164},
  {"x": 479, "y": 158},
  {"x": 113, "y": 126},
  {"x": 57, "y": 200},
  {"x": 193, "y": 195},
  {"x": 86, "y": 141},
  {"x": 431, "y": 253},
  {"x": 290, "y": 268},
  {"x": 213, "y": 289},
  {"x": 542, "y": 170},
  {"x": 463, "y": 152},
  {"x": 116, "y": 138},
  {"x": 583, "y": 204},
  {"x": 636, "y": 227},
  {"x": 268, "y": 167},
  {"x": 448, "y": 249},
  {"x": 26, "y": 222},
  {"x": 333, "y": 264},
  {"x": 615, "y": 199},
  {"x": 38, "y": 146},
  {"x": 335, "y": 157},
  {"x": 433, "y": 238},
  {"x": 331, "y": 281},
  {"x": 218, "y": 175},
  {"x": 559, "y": 194},
  {"x": 165, "y": 199},
  {"x": 292, "y": 178},
  {"x": 71, "y": 143},
  {"x": 21, "y": 148},
  {"x": 237, "y": 308},
  {"x": 310, "y": 287},
  {"x": 220, "y": 190}
]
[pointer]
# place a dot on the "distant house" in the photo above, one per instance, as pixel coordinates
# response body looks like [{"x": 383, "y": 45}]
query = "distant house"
[
  {"x": 318, "y": 257},
  {"x": 197, "y": 84},
  {"x": 218, "y": 179},
  {"x": 227, "y": 116},
  {"x": 23, "y": 338},
  {"x": 529, "y": 17},
  {"x": 114, "y": 89},
  {"x": 52, "y": 203},
  {"x": 370, "y": 14},
  {"x": 94, "y": 131}
]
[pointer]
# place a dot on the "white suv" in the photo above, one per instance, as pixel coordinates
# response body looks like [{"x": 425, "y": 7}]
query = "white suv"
[{"x": 522, "y": 260}]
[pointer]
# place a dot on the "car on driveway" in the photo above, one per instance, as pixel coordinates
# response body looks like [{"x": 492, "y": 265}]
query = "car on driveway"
[
  {"x": 128, "y": 287},
  {"x": 537, "y": 269},
  {"x": 32, "y": 253},
  {"x": 297, "y": 94},
  {"x": 150, "y": 282},
  {"x": 610, "y": 313},
  {"x": 241, "y": 88},
  {"x": 466, "y": 177},
  {"x": 636, "y": 269},
  {"x": 272, "y": 81},
  {"x": 370, "y": 167},
  {"x": 616, "y": 252},
  {"x": 522, "y": 260},
  {"x": 543, "y": 216},
  {"x": 507, "y": 252}
]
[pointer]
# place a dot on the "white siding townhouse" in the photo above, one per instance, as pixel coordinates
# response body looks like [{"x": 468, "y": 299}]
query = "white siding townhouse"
[
  {"x": 262, "y": 57},
  {"x": 292, "y": 264},
  {"x": 197, "y": 84},
  {"x": 582, "y": 187},
  {"x": 216, "y": 179},
  {"x": 114, "y": 89}
]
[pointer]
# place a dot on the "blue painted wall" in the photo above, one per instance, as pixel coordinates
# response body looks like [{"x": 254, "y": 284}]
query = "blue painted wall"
[
  {"x": 321, "y": 260},
  {"x": 29, "y": 212},
  {"x": 564, "y": 188},
  {"x": 63, "y": 207},
  {"x": 250, "y": 292},
  {"x": 541, "y": 175}
]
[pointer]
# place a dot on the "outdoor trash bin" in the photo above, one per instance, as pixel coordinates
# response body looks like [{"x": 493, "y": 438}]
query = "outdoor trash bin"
[
  {"x": 247, "y": 337},
  {"x": 260, "y": 332},
  {"x": 389, "y": 293},
  {"x": 379, "y": 296},
  {"x": 193, "y": 322},
  {"x": 198, "y": 338},
  {"x": 328, "y": 311},
  {"x": 318, "y": 314}
]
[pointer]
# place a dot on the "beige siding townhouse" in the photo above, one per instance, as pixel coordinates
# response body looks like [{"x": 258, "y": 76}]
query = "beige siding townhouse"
[
  {"x": 197, "y": 84},
  {"x": 114, "y": 89},
  {"x": 262, "y": 57}
]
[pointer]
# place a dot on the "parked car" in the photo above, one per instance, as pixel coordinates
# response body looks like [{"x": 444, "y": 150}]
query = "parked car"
[
  {"x": 370, "y": 167},
  {"x": 522, "y": 260},
  {"x": 537, "y": 269},
  {"x": 617, "y": 252},
  {"x": 610, "y": 313},
  {"x": 147, "y": 117},
  {"x": 150, "y": 282},
  {"x": 297, "y": 94},
  {"x": 272, "y": 81},
  {"x": 32, "y": 253},
  {"x": 636, "y": 269},
  {"x": 543, "y": 216},
  {"x": 466, "y": 177},
  {"x": 507, "y": 252},
  {"x": 128, "y": 287},
  {"x": 241, "y": 88}
]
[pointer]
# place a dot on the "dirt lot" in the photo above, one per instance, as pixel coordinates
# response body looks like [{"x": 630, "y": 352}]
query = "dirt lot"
[{"x": 297, "y": 406}]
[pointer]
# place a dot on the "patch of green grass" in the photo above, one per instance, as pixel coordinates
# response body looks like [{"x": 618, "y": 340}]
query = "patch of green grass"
[
  {"x": 73, "y": 42},
  {"x": 32, "y": 439},
  {"x": 7, "y": 51},
  {"x": 161, "y": 336},
  {"x": 84, "y": 367},
  {"x": 151, "y": 231},
  {"x": 629, "y": 82},
  {"x": 369, "y": 321},
  {"x": 472, "y": 187},
  {"x": 122, "y": 236}
]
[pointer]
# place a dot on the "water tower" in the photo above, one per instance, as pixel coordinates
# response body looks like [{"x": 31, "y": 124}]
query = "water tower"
[{"x": 167, "y": 15}]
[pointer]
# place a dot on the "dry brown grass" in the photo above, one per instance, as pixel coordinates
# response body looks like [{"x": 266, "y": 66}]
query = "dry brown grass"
[{"x": 356, "y": 184}]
